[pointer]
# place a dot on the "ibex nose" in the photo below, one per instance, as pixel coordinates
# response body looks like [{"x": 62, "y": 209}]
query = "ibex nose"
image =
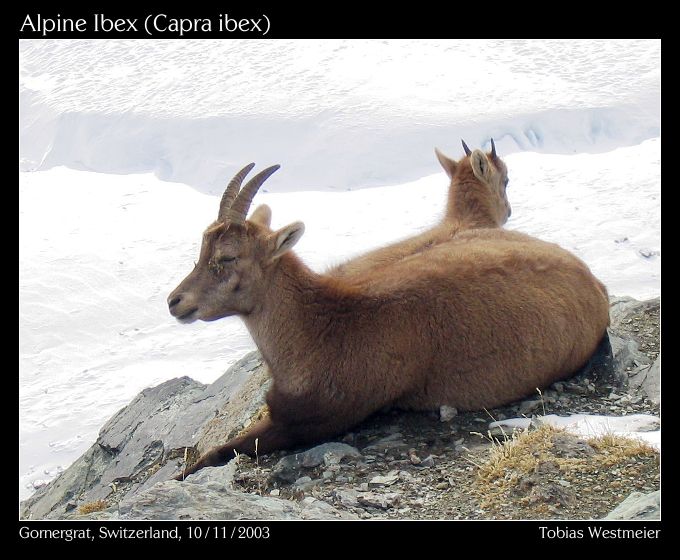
[{"x": 173, "y": 300}]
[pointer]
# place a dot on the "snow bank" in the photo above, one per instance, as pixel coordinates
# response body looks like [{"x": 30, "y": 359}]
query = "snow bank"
[{"x": 338, "y": 114}]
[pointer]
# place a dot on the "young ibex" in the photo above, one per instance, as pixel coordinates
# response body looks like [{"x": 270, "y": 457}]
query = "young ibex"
[
  {"x": 477, "y": 199},
  {"x": 475, "y": 322}
]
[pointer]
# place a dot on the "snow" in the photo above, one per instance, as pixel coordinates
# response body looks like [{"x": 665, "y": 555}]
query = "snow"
[
  {"x": 129, "y": 144},
  {"x": 337, "y": 113}
]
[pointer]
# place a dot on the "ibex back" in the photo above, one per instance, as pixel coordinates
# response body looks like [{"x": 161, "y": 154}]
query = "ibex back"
[{"x": 479, "y": 321}]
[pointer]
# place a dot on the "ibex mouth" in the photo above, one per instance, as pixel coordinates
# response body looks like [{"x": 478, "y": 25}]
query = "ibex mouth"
[{"x": 189, "y": 316}]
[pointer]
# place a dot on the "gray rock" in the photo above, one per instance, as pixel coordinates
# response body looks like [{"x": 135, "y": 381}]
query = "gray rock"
[
  {"x": 184, "y": 500},
  {"x": 380, "y": 501},
  {"x": 427, "y": 461},
  {"x": 626, "y": 356},
  {"x": 393, "y": 441},
  {"x": 447, "y": 413},
  {"x": 623, "y": 308},
  {"x": 143, "y": 443},
  {"x": 328, "y": 454},
  {"x": 289, "y": 468},
  {"x": 566, "y": 445},
  {"x": 648, "y": 380},
  {"x": 347, "y": 497},
  {"x": 527, "y": 407},
  {"x": 638, "y": 506},
  {"x": 378, "y": 481}
]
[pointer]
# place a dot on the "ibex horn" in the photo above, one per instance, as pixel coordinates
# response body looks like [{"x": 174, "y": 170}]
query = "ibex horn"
[
  {"x": 239, "y": 209},
  {"x": 493, "y": 149},
  {"x": 468, "y": 151},
  {"x": 231, "y": 191}
]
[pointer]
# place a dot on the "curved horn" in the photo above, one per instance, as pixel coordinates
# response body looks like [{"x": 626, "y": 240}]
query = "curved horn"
[
  {"x": 239, "y": 209},
  {"x": 231, "y": 191},
  {"x": 468, "y": 151},
  {"x": 493, "y": 149}
]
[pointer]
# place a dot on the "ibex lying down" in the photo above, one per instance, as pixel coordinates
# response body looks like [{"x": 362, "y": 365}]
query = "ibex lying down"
[
  {"x": 476, "y": 199},
  {"x": 475, "y": 322}
]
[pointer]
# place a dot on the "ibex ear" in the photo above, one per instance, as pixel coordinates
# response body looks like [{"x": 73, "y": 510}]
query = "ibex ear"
[
  {"x": 447, "y": 163},
  {"x": 481, "y": 166},
  {"x": 262, "y": 216},
  {"x": 283, "y": 240}
]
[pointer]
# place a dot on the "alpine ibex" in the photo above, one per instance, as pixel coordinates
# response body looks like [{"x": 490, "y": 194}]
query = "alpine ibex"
[
  {"x": 477, "y": 199},
  {"x": 478, "y": 321}
]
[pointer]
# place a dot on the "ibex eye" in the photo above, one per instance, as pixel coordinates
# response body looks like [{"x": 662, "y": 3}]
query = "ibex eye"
[{"x": 223, "y": 260}]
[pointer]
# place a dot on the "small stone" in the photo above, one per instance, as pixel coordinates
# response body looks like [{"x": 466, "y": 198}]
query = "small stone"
[
  {"x": 648, "y": 253},
  {"x": 378, "y": 481},
  {"x": 447, "y": 413},
  {"x": 389, "y": 442},
  {"x": 303, "y": 480},
  {"x": 428, "y": 461},
  {"x": 527, "y": 407},
  {"x": 559, "y": 387},
  {"x": 413, "y": 457},
  {"x": 380, "y": 501},
  {"x": 442, "y": 486},
  {"x": 347, "y": 498},
  {"x": 275, "y": 492}
]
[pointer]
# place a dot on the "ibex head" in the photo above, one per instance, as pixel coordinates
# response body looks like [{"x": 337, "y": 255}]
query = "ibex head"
[
  {"x": 236, "y": 256},
  {"x": 488, "y": 169}
]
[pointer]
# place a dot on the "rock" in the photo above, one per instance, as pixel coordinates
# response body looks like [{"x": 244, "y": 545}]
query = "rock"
[
  {"x": 183, "y": 500},
  {"x": 303, "y": 480},
  {"x": 380, "y": 501},
  {"x": 328, "y": 454},
  {"x": 348, "y": 498},
  {"x": 626, "y": 356},
  {"x": 378, "y": 481},
  {"x": 146, "y": 441},
  {"x": 527, "y": 407},
  {"x": 567, "y": 446},
  {"x": 648, "y": 380},
  {"x": 427, "y": 461},
  {"x": 623, "y": 308},
  {"x": 289, "y": 468},
  {"x": 638, "y": 506},
  {"x": 447, "y": 413},
  {"x": 387, "y": 443},
  {"x": 648, "y": 253}
]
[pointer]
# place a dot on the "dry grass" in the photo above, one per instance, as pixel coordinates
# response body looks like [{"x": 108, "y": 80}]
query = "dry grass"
[
  {"x": 522, "y": 454},
  {"x": 91, "y": 507}
]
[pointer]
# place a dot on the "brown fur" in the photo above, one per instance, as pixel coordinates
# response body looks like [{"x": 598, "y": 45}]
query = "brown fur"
[
  {"x": 474, "y": 201},
  {"x": 479, "y": 321}
]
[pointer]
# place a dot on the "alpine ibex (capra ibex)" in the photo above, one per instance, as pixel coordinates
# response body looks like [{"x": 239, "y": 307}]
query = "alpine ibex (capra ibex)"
[
  {"x": 477, "y": 199},
  {"x": 478, "y": 321}
]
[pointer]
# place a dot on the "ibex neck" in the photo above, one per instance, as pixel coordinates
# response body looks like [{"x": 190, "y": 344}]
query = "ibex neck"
[
  {"x": 470, "y": 206},
  {"x": 287, "y": 316}
]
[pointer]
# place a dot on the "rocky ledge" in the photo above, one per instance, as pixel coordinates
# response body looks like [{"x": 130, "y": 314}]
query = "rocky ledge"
[{"x": 394, "y": 465}]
